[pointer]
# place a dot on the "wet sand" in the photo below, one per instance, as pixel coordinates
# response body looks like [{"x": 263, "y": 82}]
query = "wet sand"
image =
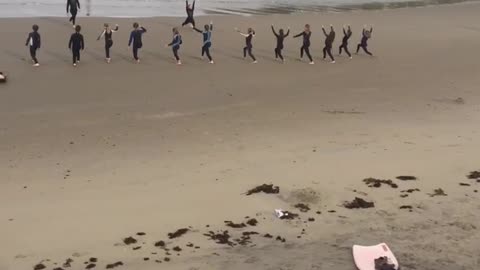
[{"x": 94, "y": 155}]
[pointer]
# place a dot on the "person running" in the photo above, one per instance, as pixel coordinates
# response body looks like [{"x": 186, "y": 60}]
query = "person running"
[
  {"x": 107, "y": 33},
  {"x": 346, "y": 36},
  {"x": 175, "y": 44},
  {"x": 366, "y": 35},
  {"x": 190, "y": 9},
  {"x": 248, "y": 44},
  {"x": 73, "y": 6},
  {"x": 34, "y": 42},
  {"x": 136, "y": 40},
  {"x": 329, "y": 38},
  {"x": 280, "y": 37},
  {"x": 207, "y": 40},
  {"x": 3, "y": 77},
  {"x": 306, "y": 34},
  {"x": 76, "y": 44}
]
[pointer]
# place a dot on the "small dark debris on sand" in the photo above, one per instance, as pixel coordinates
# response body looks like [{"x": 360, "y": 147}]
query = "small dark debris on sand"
[
  {"x": 438, "y": 192},
  {"x": 252, "y": 222},
  {"x": 178, "y": 233},
  {"x": 39, "y": 266},
  {"x": 91, "y": 266},
  {"x": 160, "y": 244},
  {"x": 319, "y": 212},
  {"x": 235, "y": 225},
  {"x": 311, "y": 219},
  {"x": 289, "y": 215},
  {"x": 302, "y": 207},
  {"x": 268, "y": 235},
  {"x": 129, "y": 240},
  {"x": 411, "y": 190},
  {"x": 166, "y": 259},
  {"x": 372, "y": 182},
  {"x": 358, "y": 203},
  {"x": 269, "y": 189},
  {"x": 464, "y": 184},
  {"x": 245, "y": 239},
  {"x": 68, "y": 263},
  {"x": 190, "y": 245},
  {"x": 281, "y": 239},
  {"x": 474, "y": 175},
  {"x": 113, "y": 265},
  {"x": 137, "y": 248},
  {"x": 158, "y": 261},
  {"x": 141, "y": 233},
  {"x": 146, "y": 259},
  {"x": 406, "y": 207},
  {"x": 222, "y": 238},
  {"x": 403, "y": 195},
  {"x": 58, "y": 268},
  {"x": 406, "y": 178},
  {"x": 93, "y": 260},
  {"x": 177, "y": 249},
  {"x": 332, "y": 211}
]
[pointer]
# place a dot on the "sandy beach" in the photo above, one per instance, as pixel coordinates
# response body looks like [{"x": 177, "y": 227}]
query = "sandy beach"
[{"x": 90, "y": 156}]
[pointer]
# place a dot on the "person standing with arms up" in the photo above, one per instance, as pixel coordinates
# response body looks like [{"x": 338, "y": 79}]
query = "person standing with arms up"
[
  {"x": 107, "y": 33},
  {"x": 76, "y": 44},
  {"x": 73, "y": 6},
  {"x": 329, "y": 38},
  {"x": 34, "y": 43},
  {"x": 366, "y": 35},
  {"x": 207, "y": 40},
  {"x": 136, "y": 40},
  {"x": 248, "y": 44},
  {"x": 346, "y": 36},
  {"x": 175, "y": 44},
  {"x": 306, "y": 34},
  {"x": 280, "y": 37},
  {"x": 190, "y": 9}
]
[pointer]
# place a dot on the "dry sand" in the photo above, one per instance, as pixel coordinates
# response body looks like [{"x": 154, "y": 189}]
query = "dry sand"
[{"x": 92, "y": 155}]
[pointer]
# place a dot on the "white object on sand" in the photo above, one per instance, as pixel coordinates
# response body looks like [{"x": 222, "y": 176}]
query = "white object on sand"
[
  {"x": 279, "y": 213},
  {"x": 364, "y": 256},
  {"x": 3, "y": 78}
]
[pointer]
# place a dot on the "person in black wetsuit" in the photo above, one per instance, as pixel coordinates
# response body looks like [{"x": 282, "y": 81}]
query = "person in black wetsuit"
[
  {"x": 306, "y": 34},
  {"x": 280, "y": 37},
  {"x": 107, "y": 32},
  {"x": 248, "y": 44},
  {"x": 329, "y": 38},
  {"x": 136, "y": 40},
  {"x": 73, "y": 6},
  {"x": 190, "y": 9},
  {"x": 76, "y": 44},
  {"x": 366, "y": 35},
  {"x": 346, "y": 36},
  {"x": 207, "y": 40},
  {"x": 34, "y": 43},
  {"x": 175, "y": 44}
]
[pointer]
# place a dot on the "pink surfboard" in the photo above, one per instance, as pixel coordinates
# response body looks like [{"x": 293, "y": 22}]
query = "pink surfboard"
[{"x": 364, "y": 256}]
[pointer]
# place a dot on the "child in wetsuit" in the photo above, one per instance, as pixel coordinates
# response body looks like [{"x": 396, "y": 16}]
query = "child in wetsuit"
[
  {"x": 107, "y": 32},
  {"x": 306, "y": 34},
  {"x": 346, "y": 36},
  {"x": 175, "y": 44},
  {"x": 366, "y": 35},
  {"x": 329, "y": 38},
  {"x": 136, "y": 40},
  {"x": 34, "y": 42},
  {"x": 207, "y": 40},
  {"x": 248, "y": 44},
  {"x": 280, "y": 37},
  {"x": 73, "y": 6},
  {"x": 76, "y": 44},
  {"x": 190, "y": 9}
]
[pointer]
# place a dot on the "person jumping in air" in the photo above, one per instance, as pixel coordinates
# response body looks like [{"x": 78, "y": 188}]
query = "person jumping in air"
[
  {"x": 346, "y": 36},
  {"x": 135, "y": 40},
  {"x": 207, "y": 40},
  {"x": 175, "y": 44},
  {"x": 329, "y": 38},
  {"x": 34, "y": 42},
  {"x": 190, "y": 9},
  {"x": 73, "y": 6},
  {"x": 107, "y": 33},
  {"x": 306, "y": 34},
  {"x": 366, "y": 35},
  {"x": 76, "y": 44},
  {"x": 248, "y": 43},
  {"x": 280, "y": 37}
]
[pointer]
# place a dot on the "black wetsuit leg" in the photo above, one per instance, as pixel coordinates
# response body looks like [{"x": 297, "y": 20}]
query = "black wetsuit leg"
[
  {"x": 302, "y": 49},
  {"x": 108, "y": 45},
  {"x": 328, "y": 50},
  {"x": 248, "y": 50},
  {"x": 189, "y": 20},
  {"x": 76, "y": 55},
  {"x": 33, "y": 54},
  {"x": 73, "y": 11},
  {"x": 135, "y": 52},
  {"x": 364, "y": 47},
  {"x": 206, "y": 50},
  {"x": 307, "y": 51}
]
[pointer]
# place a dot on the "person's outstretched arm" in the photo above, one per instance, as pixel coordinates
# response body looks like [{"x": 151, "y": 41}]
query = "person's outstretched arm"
[
  {"x": 39, "y": 41},
  {"x": 301, "y": 34},
  {"x": 68, "y": 5},
  {"x": 371, "y": 29},
  {"x": 82, "y": 43},
  {"x": 78, "y": 4},
  {"x": 324, "y": 32},
  {"x": 193, "y": 5},
  {"x": 28, "y": 39},
  {"x": 70, "y": 42},
  {"x": 144, "y": 30},
  {"x": 344, "y": 32},
  {"x": 331, "y": 28},
  {"x": 288, "y": 32},
  {"x": 186, "y": 5},
  {"x": 198, "y": 30},
  {"x": 245, "y": 35},
  {"x": 101, "y": 34},
  {"x": 116, "y": 28},
  {"x": 273, "y": 30}
]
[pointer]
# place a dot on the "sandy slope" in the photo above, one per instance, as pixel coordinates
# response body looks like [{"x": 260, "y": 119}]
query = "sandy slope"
[{"x": 89, "y": 156}]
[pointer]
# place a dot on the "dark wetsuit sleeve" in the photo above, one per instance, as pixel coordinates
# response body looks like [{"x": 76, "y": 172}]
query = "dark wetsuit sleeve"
[
  {"x": 275, "y": 33},
  {"x": 211, "y": 27},
  {"x": 131, "y": 39},
  {"x": 363, "y": 32},
  {"x": 288, "y": 33},
  {"x": 344, "y": 32},
  {"x": 28, "y": 39},
  {"x": 82, "y": 43},
  {"x": 116, "y": 28},
  {"x": 302, "y": 33},
  {"x": 144, "y": 30},
  {"x": 78, "y": 4},
  {"x": 39, "y": 41},
  {"x": 371, "y": 30},
  {"x": 198, "y": 30},
  {"x": 186, "y": 6},
  {"x": 68, "y": 5},
  {"x": 70, "y": 42},
  {"x": 193, "y": 6},
  {"x": 324, "y": 32}
]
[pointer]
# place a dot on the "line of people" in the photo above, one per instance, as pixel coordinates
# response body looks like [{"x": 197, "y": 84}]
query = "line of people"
[{"x": 77, "y": 43}]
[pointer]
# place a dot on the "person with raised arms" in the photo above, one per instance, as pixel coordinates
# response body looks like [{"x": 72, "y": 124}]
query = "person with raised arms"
[
  {"x": 329, "y": 38},
  {"x": 366, "y": 35},
  {"x": 306, "y": 34},
  {"x": 280, "y": 36},
  {"x": 248, "y": 43},
  {"x": 107, "y": 33},
  {"x": 207, "y": 40},
  {"x": 346, "y": 36}
]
